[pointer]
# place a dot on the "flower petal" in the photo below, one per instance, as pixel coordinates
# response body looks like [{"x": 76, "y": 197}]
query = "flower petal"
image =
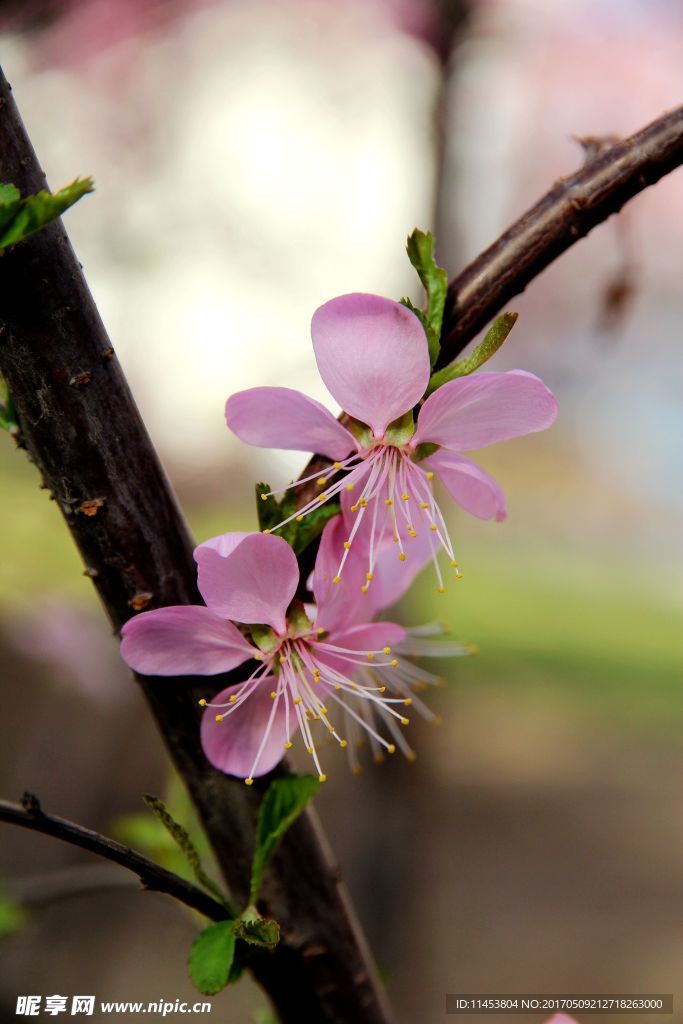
[
  {"x": 372, "y": 355},
  {"x": 255, "y": 582},
  {"x": 182, "y": 640},
  {"x": 472, "y": 412},
  {"x": 232, "y": 745},
  {"x": 283, "y": 418},
  {"x": 468, "y": 484},
  {"x": 371, "y": 636},
  {"x": 336, "y": 603}
]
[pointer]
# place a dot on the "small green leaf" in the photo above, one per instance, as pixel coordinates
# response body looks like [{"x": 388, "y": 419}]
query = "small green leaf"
[
  {"x": 272, "y": 512},
  {"x": 495, "y": 336},
  {"x": 257, "y": 930},
  {"x": 13, "y": 917},
  {"x": 211, "y": 957},
  {"x": 420, "y": 248},
  {"x": 282, "y": 804},
  {"x": 183, "y": 840},
  {"x": 8, "y": 416},
  {"x": 19, "y": 218}
]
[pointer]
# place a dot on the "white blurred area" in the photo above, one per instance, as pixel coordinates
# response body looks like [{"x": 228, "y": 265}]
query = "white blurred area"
[{"x": 251, "y": 162}]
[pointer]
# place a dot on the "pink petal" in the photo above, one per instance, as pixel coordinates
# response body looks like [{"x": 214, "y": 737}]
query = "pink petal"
[
  {"x": 392, "y": 577},
  {"x": 254, "y": 583},
  {"x": 368, "y": 637},
  {"x": 372, "y": 355},
  {"x": 335, "y": 603},
  {"x": 224, "y": 544},
  {"x": 232, "y": 745},
  {"x": 472, "y": 412},
  {"x": 182, "y": 640},
  {"x": 283, "y": 418},
  {"x": 468, "y": 484}
]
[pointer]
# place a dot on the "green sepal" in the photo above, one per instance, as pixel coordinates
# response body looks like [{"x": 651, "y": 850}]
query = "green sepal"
[
  {"x": 424, "y": 450},
  {"x": 400, "y": 431},
  {"x": 20, "y": 218},
  {"x": 264, "y": 638},
  {"x": 361, "y": 431},
  {"x": 182, "y": 838},
  {"x": 494, "y": 338},
  {"x": 282, "y": 804},
  {"x": 420, "y": 249},
  {"x": 297, "y": 618},
  {"x": 211, "y": 957},
  {"x": 271, "y": 512},
  {"x": 261, "y": 931}
]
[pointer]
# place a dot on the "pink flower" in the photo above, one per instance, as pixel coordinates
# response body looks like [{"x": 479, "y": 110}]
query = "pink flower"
[
  {"x": 372, "y": 355},
  {"x": 315, "y": 661}
]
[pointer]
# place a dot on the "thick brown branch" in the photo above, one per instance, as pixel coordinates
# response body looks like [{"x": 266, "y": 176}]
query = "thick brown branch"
[
  {"x": 564, "y": 215},
  {"x": 81, "y": 427},
  {"x": 152, "y": 876}
]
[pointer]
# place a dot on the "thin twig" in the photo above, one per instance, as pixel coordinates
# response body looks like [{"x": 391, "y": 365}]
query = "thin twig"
[
  {"x": 152, "y": 876},
  {"x": 572, "y": 208}
]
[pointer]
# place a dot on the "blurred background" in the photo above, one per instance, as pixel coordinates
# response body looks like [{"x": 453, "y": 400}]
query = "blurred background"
[{"x": 252, "y": 160}]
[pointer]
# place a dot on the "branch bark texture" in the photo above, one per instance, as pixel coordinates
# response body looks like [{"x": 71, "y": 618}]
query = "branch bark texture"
[
  {"x": 81, "y": 427},
  {"x": 572, "y": 208}
]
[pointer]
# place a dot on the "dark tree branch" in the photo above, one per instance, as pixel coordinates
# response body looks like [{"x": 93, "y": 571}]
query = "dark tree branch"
[
  {"x": 152, "y": 876},
  {"x": 565, "y": 214},
  {"x": 81, "y": 427}
]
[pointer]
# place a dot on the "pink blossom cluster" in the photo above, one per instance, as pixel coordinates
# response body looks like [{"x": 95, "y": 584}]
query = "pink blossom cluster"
[{"x": 316, "y": 655}]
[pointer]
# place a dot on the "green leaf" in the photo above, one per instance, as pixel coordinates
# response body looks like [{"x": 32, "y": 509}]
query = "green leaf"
[
  {"x": 211, "y": 957},
  {"x": 13, "y": 917},
  {"x": 8, "y": 416},
  {"x": 19, "y": 218},
  {"x": 282, "y": 804},
  {"x": 420, "y": 248},
  {"x": 272, "y": 512},
  {"x": 182, "y": 837},
  {"x": 495, "y": 336},
  {"x": 257, "y": 930}
]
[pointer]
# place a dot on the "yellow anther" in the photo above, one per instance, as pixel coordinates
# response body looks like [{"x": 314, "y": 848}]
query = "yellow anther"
[
  {"x": 219, "y": 718},
  {"x": 441, "y": 590},
  {"x": 321, "y": 481},
  {"x": 336, "y": 465},
  {"x": 387, "y": 650},
  {"x": 320, "y": 630},
  {"x": 391, "y": 749},
  {"x": 283, "y": 659},
  {"x": 388, "y": 501},
  {"x": 232, "y": 698},
  {"x": 337, "y": 579},
  {"x": 379, "y": 758},
  {"x": 299, "y": 519},
  {"x": 322, "y": 497},
  {"x": 322, "y": 778},
  {"x": 402, "y": 556},
  {"x": 266, "y": 531},
  {"x": 412, "y": 533},
  {"x": 343, "y": 743},
  {"x": 394, "y": 663},
  {"x": 202, "y": 702},
  {"x": 309, "y": 750},
  {"x": 322, "y": 710},
  {"x": 297, "y": 700},
  {"x": 364, "y": 589},
  {"x": 436, "y": 720},
  {"x": 423, "y": 504},
  {"x": 404, "y": 496},
  {"x": 404, "y": 721},
  {"x": 381, "y": 689},
  {"x": 258, "y": 657},
  {"x": 337, "y": 686},
  {"x": 371, "y": 655},
  {"x": 454, "y": 565},
  {"x": 433, "y": 526},
  {"x": 362, "y": 503},
  {"x": 349, "y": 487},
  {"x": 395, "y": 539},
  {"x": 430, "y": 475},
  {"x": 356, "y": 769},
  {"x": 347, "y": 545},
  {"x": 408, "y": 701},
  {"x": 368, "y": 575},
  {"x": 411, "y": 755},
  {"x": 249, "y": 782},
  {"x": 273, "y": 694},
  {"x": 288, "y": 745},
  {"x": 264, "y": 497},
  {"x": 354, "y": 508}
]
